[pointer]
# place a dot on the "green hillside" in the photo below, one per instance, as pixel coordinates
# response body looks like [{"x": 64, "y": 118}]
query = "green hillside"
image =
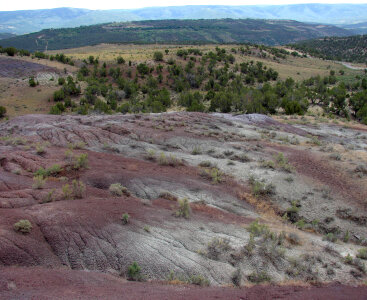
[
  {"x": 269, "y": 32},
  {"x": 350, "y": 49}
]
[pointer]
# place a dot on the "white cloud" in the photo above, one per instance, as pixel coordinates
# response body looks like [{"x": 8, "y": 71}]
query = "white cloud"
[{"x": 113, "y": 4}]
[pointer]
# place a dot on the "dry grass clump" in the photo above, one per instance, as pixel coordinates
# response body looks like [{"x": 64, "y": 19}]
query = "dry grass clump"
[{"x": 117, "y": 189}]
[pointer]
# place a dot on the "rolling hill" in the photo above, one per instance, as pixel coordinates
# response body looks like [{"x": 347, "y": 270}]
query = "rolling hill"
[
  {"x": 269, "y": 32},
  {"x": 350, "y": 49},
  {"x": 26, "y": 21}
]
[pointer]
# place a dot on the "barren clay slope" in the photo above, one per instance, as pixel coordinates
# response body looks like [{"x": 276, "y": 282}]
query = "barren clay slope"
[{"x": 191, "y": 198}]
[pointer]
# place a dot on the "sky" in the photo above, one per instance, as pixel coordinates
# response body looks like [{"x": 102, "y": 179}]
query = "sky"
[{"x": 115, "y": 4}]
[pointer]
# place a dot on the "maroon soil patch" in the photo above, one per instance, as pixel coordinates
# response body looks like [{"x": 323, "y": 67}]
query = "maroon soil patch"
[{"x": 39, "y": 283}]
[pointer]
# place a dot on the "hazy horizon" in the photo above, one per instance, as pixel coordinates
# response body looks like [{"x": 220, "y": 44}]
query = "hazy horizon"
[{"x": 112, "y": 4}]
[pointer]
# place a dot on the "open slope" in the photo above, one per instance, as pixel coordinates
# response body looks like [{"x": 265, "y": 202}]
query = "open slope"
[
  {"x": 220, "y": 163},
  {"x": 269, "y": 32}
]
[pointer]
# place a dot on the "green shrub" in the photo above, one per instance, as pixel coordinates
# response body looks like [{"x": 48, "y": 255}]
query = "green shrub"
[
  {"x": 199, "y": 280},
  {"x": 330, "y": 237},
  {"x": 59, "y": 95},
  {"x": 214, "y": 174},
  {"x": 32, "y": 82},
  {"x": 23, "y": 226},
  {"x": 49, "y": 197},
  {"x": 11, "y": 51},
  {"x": 78, "y": 189},
  {"x": 158, "y": 56},
  {"x": 125, "y": 218},
  {"x": 81, "y": 161},
  {"x": 120, "y": 60},
  {"x": 61, "y": 81},
  {"x": 2, "y": 111},
  {"x": 67, "y": 192},
  {"x": 362, "y": 253},
  {"x": 52, "y": 171},
  {"x": 184, "y": 209},
  {"x": 134, "y": 272},
  {"x": 38, "y": 182},
  {"x": 258, "y": 229}
]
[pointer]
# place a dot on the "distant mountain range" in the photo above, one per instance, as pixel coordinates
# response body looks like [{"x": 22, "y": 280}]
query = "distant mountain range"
[
  {"x": 26, "y": 21},
  {"x": 268, "y": 32},
  {"x": 6, "y": 35}
]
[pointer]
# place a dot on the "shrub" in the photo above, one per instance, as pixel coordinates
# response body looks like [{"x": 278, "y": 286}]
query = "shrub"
[
  {"x": 362, "y": 253},
  {"x": 196, "y": 151},
  {"x": 38, "y": 182},
  {"x": 134, "y": 272},
  {"x": 11, "y": 51},
  {"x": 2, "y": 111},
  {"x": 61, "y": 81},
  {"x": 66, "y": 191},
  {"x": 293, "y": 238},
  {"x": 199, "y": 280},
  {"x": 171, "y": 160},
  {"x": 237, "y": 277},
  {"x": 258, "y": 277},
  {"x": 158, "y": 56},
  {"x": 262, "y": 189},
  {"x": 40, "y": 149},
  {"x": 78, "y": 189},
  {"x": 216, "y": 247},
  {"x": 258, "y": 229},
  {"x": 330, "y": 237},
  {"x": 205, "y": 164},
  {"x": 125, "y": 218},
  {"x": 249, "y": 248},
  {"x": 117, "y": 189},
  {"x": 168, "y": 196},
  {"x": 184, "y": 209},
  {"x": 81, "y": 161},
  {"x": 49, "y": 197},
  {"x": 214, "y": 174},
  {"x": 32, "y": 82},
  {"x": 120, "y": 60},
  {"x": 23, "y": 226},
  {"x": 52, "y": 171},
  {"x": 59, "y": 95},
  {"x": 150, "y": 155}
]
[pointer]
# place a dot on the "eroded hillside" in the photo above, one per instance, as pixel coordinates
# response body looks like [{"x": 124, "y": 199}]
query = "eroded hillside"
[{"x": 267, "y": 200}]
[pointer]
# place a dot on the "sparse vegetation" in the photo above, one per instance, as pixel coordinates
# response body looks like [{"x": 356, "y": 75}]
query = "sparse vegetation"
[
  {"x": 38, "y": 182},
  {"x": 117, "y": 189},
  {"x": 125, "y": 218},
  {"x": 23, "y": 226},
  {"x": 81, "y": 161},
  {"x": 134, "y": 272},
  {"x": 184, "y": 209},
  {"x": 259, "y": 277}
]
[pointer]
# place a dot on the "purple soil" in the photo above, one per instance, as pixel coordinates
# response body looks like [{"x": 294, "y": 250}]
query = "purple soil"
[{"x": 39, "y": 283}]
